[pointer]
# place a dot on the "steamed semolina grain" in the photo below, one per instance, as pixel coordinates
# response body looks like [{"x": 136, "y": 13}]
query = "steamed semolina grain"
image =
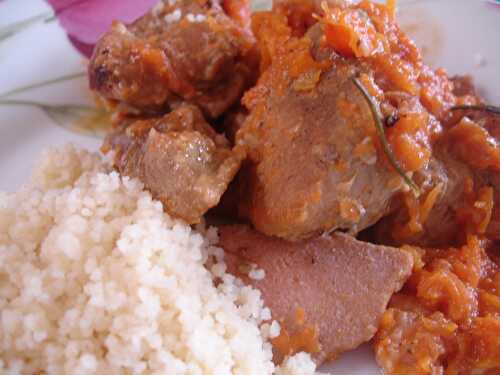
[
  {"x": 96, "y": 279},
  {"x": 299, "y": 364}
]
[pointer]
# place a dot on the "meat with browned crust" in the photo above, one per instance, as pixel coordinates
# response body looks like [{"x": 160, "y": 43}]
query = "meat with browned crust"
[
  {"x": 315, "y": 162},
  {"x": 310, "y": 172},
  {"x": 179, "y": 158},
  {"x": 183, "y": 50},
  {"x": 464, "y": 173}
]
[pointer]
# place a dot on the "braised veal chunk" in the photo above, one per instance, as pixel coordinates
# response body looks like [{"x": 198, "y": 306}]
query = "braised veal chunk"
[
  {"x": 181, "y": 50},
  {"x": 179, "y": 158},
  {"x": 316, "y": 162},
  {"x": 463, "y": 179}
]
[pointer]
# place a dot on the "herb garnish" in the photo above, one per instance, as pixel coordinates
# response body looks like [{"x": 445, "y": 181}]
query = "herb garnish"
[
  {"x": 383, "y": 140},
  {"x": 481, "y": 108}
]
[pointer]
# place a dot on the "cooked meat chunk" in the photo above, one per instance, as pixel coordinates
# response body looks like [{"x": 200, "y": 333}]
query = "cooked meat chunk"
[
  {"x": 315, "y": 161},
  {"x": 461, "y": 186},
  {"x": 179, "y": 158},
  {"x": 477, "y": 143},
  {"x": 435, "y": 218},
  {"x": 493, "y": 229},
  {"x": 186, "y": 49},
  {"x": 313, "y": 149},
  {"x": 328, "y": 293}
]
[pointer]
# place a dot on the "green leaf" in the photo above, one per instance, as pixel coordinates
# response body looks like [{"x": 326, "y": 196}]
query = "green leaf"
[
  {"x": 383, "y": 140},
  {"x": 16, "y": 27}
]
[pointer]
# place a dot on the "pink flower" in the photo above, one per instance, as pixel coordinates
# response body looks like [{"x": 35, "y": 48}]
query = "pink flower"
[{"x": 85, "y": 20}]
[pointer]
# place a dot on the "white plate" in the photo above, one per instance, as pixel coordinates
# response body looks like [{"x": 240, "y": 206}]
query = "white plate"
[{"x": 459, "y": 35}]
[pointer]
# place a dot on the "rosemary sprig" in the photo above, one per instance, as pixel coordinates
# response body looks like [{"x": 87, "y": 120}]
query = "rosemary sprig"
[
  {"x": 481, "y": 108},
  {"x": 383, "y": 140},
  {"x": 42, "y": 84}
]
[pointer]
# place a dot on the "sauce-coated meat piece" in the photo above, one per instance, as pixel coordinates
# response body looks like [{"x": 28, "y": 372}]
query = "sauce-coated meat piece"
[
  {"x": 328, "y": 293},
  {"x": 181, "y": 50},
  {"x": 460, "y": 185},
  {"x": 179, "y": 158},
  {"x": 433, "y": 219},
  {"x": 315, "y": 164}
]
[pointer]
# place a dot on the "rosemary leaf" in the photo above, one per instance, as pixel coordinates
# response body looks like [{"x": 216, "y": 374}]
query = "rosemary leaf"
[
  {"x": 480, "y": 108},
  {"x": 383, "y": 140}
]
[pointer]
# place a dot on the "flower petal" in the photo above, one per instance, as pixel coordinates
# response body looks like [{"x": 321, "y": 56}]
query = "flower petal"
[{"x": 86, "y": 20}]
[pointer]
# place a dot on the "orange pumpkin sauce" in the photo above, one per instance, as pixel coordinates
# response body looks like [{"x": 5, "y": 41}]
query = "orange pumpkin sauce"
[
  {"x": 299, "y": 14},
  {"x": 368, "y": 32},
  {"x": 303, "y": 338},
  {"x": 447, "y": 318},
  {"x": 276, "y": 42},
  {"x": 410, "y": 141},
  {"x": 238, "y": 10},
  {"x": 474, "y": 145}
]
